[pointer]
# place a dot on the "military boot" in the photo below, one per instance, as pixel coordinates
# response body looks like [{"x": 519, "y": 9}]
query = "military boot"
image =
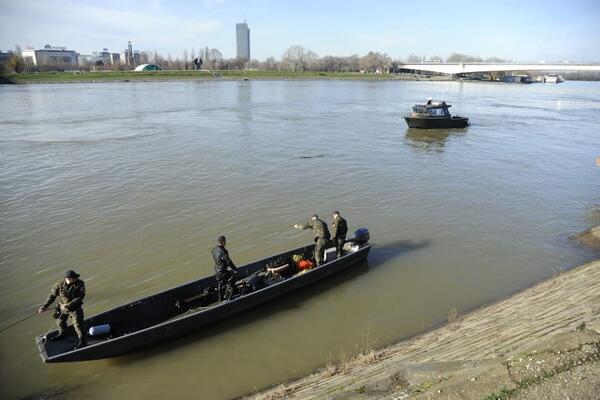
[
  {"x": 81, "y": 344},
  {"x": 58, "y": 336}
]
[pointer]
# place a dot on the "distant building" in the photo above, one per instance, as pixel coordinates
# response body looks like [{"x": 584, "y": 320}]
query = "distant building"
[
  {"x": 243, "y": 40},
  {"x": 115, "y": 58},
  {"x": 51, "y": 56},
  {"x": 101, "y": 57},
  {"x": 4, "y": 57},
  {"x": 132, "y": 58},
  {"x": 84, "y": 59}
]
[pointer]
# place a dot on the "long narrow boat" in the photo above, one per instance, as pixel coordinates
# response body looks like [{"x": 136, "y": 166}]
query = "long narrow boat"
[{"x": 183, "y": 309}]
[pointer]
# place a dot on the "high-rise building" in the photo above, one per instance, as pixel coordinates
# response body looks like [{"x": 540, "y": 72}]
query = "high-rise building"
[{"x": 243, "y": 40}]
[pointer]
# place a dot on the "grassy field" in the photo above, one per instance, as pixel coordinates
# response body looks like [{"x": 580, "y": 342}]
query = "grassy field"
[{"x": 116, "y": 76}]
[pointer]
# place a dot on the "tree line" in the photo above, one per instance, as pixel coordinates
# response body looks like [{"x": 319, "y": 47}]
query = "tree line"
[{"x": 295, "y": 59}]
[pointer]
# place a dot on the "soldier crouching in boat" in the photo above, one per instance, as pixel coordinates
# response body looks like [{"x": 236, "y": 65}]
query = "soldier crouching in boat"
[
  {"x": 225, "y": 278},
  {"x": 322, "y": 236},
  {"x": 70, "y": 293}
]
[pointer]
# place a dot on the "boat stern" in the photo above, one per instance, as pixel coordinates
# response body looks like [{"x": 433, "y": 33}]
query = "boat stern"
[{"x": 40, "y": 341}]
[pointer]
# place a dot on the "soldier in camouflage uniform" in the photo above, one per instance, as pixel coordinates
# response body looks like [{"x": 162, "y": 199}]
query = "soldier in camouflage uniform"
[
  {"x": 225, "y": 278},
  {"x": 321, "y": 233},
  {"x": 340, "y": 229},
  {"x": 70, "y": 293}
]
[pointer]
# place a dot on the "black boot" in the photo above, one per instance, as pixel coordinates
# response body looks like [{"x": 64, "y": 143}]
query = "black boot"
[
  {"x": 57, "y": 336},
  {"x": 81, "y": 344}
]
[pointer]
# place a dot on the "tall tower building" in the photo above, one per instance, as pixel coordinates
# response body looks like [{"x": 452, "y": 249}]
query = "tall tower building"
[{"x": 243, "y": 40}]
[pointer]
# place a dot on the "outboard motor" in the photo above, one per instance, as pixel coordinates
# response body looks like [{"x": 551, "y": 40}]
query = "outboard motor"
[{"x": 361, "y": 236}]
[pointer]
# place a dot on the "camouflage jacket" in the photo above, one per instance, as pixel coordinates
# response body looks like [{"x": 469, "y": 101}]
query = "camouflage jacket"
[
  {"x": 318, "y": 227},
  {"x": 340, "y": 228},
  {"x": 222, "y": 260},
  {"x": 70, "y": 295}
]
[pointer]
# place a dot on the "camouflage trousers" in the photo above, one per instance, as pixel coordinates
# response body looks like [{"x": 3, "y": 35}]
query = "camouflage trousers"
[
  {"x": 76, "y": 318},
  {"x": 320, "y": 245},
  {"x": 339, "y": 246},
  {"x": 225, "y": 284}
]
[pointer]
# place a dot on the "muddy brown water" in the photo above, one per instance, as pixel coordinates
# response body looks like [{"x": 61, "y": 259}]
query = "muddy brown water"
[{"x": 130, "y": 184}]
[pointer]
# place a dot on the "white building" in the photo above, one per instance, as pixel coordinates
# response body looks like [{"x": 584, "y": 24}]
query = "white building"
[{"x": 51, "y": 56}]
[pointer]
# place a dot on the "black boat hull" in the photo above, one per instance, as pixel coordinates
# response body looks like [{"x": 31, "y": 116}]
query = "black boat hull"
[
  {"x": 171, "y": 322},
  {"x": 437, "y": 123}
]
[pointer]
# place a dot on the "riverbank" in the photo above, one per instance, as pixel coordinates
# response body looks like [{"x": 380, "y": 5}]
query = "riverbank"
[
  {"x": 158, "y": 76},
  {"x": 538, "y": 344}
]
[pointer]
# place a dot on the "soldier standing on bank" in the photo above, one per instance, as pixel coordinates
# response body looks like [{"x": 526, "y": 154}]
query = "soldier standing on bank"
[
  {"x": 225, "y": 278},
  {"x": 319, "y": 229},
  {"x": 340, "y": 229},
  {"x": 70, "y": 293}
]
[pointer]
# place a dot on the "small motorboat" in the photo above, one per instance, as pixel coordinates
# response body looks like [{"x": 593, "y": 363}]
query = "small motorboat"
[
  {"x": 434, "y": 115},
  {"x": 189, "y": 307}
]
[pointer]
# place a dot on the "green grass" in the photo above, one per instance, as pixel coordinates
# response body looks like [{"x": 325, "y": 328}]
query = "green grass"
[{"x": 108, "y": 76}]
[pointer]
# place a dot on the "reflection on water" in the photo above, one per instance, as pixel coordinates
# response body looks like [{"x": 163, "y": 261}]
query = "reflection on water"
[
  {"x": 431, "y": 140},
  {"x": 130, "y": 184},
  {"x": 384, "y": 253}
]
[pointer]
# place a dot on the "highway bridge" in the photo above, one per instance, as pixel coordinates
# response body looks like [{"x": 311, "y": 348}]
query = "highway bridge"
[{"x": 481, "y": 67}]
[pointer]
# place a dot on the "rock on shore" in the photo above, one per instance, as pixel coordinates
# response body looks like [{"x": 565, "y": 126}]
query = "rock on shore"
[{"x": 590, "y": 238}]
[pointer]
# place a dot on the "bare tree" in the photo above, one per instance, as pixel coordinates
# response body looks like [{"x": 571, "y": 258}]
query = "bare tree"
[
  {"x": 16, "y": 63},
  {"x": 270, "y": 64},
  {"x": 375, "y": 62},
  {"x": 413, "y": 58},
  {"x": 296, "y": 58},
  {"x": 214, "y": 58},
  {"x": 458, "y": 57},
  {"x": 185, "y": 59}
]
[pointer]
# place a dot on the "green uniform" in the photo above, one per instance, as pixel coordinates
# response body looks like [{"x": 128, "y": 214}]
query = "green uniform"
[
  {"x": 340, "y": 229},
  {"x": 322, "y": 236},
  {"x": 72, "y": 296},
  {"x": 225, "y": 278}
]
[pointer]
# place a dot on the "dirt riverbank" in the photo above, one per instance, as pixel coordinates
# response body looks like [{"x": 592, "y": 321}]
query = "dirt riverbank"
[{"x": 542, "y": 343}]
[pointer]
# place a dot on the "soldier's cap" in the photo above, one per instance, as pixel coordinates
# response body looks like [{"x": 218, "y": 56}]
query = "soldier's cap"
[
  {"x": 71, "y": 274},
  {"x": 315, "y": 216},
  {"x": 221, "y": 239}
]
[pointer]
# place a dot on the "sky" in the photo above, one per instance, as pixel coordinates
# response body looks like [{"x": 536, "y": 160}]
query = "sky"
[{"x": 526, "y": 31}]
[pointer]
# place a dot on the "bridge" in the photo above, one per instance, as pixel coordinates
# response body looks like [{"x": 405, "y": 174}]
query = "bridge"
[{"x": 481, "y": 67}]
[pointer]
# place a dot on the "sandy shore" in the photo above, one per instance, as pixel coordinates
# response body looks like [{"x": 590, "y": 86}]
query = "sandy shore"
[{"x": 541, "y": 343}]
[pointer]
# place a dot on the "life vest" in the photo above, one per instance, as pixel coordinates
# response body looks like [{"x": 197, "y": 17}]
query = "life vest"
[{"x": 305, "y": 264}]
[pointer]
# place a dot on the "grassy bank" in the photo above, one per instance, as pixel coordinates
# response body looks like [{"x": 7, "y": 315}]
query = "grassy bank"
[{"x": 123, "y": 76}]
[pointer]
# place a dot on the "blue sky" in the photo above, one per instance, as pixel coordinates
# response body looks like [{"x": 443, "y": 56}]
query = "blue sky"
[{"x": 516, "y": 30}]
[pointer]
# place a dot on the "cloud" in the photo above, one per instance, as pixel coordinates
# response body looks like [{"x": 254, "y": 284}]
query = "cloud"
[{"x": 67, "y": 22}]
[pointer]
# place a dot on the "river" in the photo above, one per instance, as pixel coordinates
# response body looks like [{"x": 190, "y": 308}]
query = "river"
[{"x": 130, "y": 183}]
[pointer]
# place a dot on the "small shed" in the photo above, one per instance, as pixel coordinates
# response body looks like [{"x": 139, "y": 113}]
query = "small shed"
[{"x": 148, "y": 67}]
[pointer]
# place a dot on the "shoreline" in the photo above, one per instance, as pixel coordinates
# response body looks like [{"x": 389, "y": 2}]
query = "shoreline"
[
  {"x": 186, "y": 76},
  {"x": 218, "y": 79},
  {"x": 190, "y": 75},
  {"x": 478, "y": 354}
]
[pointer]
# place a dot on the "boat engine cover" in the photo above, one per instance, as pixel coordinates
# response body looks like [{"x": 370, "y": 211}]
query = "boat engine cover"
[{"x": 361, "y": 236}]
